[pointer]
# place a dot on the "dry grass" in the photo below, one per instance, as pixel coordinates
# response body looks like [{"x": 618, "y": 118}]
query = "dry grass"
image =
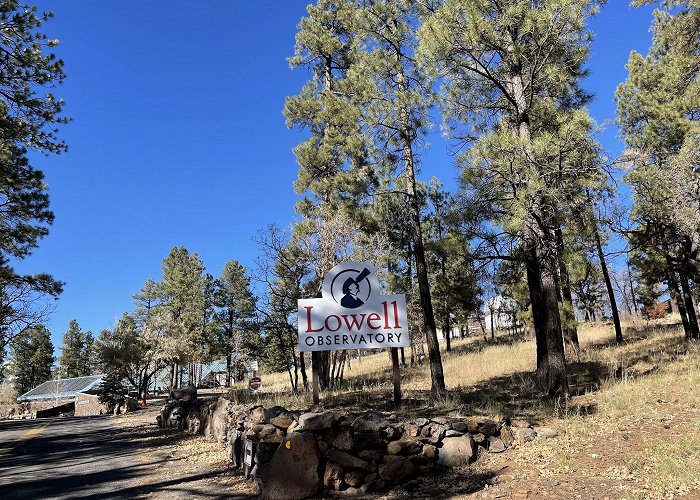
[{"x": 634, "y": 417}]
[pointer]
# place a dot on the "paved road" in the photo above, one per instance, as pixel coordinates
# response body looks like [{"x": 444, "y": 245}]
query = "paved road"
[{"x": 81, "y": 457}]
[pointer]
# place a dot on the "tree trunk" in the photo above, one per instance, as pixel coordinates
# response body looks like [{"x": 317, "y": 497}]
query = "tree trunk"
[
  {"x": 632, "y": 291},
  {"x": 302, "y": 367},
  {"x": 677, "y": 297},
  {"x": 689, "y": 308},
  {"x": 551, "y": 366},
  {"x": 569, "y": 329},
  {"x": 608, "y": 285},
  {"x": 437, "y": 386}
]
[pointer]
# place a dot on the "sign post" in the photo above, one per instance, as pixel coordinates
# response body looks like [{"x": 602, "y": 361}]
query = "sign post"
[{"x": 351, "y": 314}]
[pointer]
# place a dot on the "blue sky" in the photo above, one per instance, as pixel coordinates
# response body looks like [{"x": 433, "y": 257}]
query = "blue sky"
[{"x": 178, "y": 137}]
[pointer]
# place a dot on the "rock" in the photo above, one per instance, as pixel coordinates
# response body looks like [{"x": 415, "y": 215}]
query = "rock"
[
  {"x": 473, "y": 424},
  {"x": 347, "y": 460},
  {"x": 256, "y": 415},
  {"x": 316, "y": 421},
  {"x": 430, "y": 452},
  {"x": 394, "y": 448},
  {"x": 496, "y": 445},
  {"x": 488, "y": 427},
  {"x": 370, "y": 422},
  {"x": 333, "y": 476},
  {"x": 264, "y": 452},
  {"x": 217, "y": 423},
  {"x": 372, "y": 456},
  {"x": 193, "y": 423},
  {"x": 456, "y": 451},
  {"x": 269, "y": 432},
  {"x": 343, "y": 440},
  {"x": 440, "y": 420},
  {"x": 453, "y": 433},
  {"x": 394, "y": 469},
  {"x": 411, "y": 430},
  {"x": 354, "y": 477},
  {"x": 283, "y": 420},
  {"x": 506, "y": 436},
  {"x": 391, "y": 433},
  {"x": 366, "y": 441},
  {"x": 293, "y": 427},
  {"x": 185, "y": 395},
  {"x": 420, "y": 422},
  {"x": 545, "y": 432},
  {"x": 479, "y": 438},
  {"x": 438, "y": 432},
  {"x": 293, "y": 472},
  {"x": 459, "y": 426},
  {"x": 427, "y": 431},
  {"x": 274, "y": 412},
  {"x": 524, "y": 434},
  {"x": 323, "y": 445}
]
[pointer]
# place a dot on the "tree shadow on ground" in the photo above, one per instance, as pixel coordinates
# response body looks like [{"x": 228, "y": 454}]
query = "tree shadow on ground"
[
  {"x": 91, "y": 457},
  {"x": 516, "y": 394}
]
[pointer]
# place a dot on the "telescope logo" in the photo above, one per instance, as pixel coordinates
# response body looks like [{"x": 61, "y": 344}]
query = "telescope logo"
[{"x": 351, "y": 287}]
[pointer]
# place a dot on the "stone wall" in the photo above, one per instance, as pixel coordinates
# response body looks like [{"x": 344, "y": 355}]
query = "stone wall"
[{"x": 301, "y": 454}]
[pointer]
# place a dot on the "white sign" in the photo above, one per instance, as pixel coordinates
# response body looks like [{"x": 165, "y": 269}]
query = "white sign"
[{"x": 352, "y": 314}]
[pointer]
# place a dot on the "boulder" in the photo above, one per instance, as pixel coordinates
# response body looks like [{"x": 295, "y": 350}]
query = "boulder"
[
  {"x": 420, "y": 422},
  {"x": 524, "y": 434},
  {"x": 274, "y": 412},
  {"x": 456, "y": 451},
  {"x": 395, "y": 469},
  {"x": 430, "y": 452},
  {"x": 479, "y": 438},
  {"x": 394, "y": 448},
  {"x": 270, "y": 433},
  {"x": 488, "y": 427},
  {"x": 411, "y": 430},
  {"x": 283, "y": 420},
  {"x": 186, "y": 394},
  {"x": 366, "y": 441},
  {"x": 316, "y": 421},
  {"x": 293, "y": 472},
  {"x": 346, "y": 459},
  {"x": 343, "y": 441},
  {"x": 370, "y": 422},
  {"x": 372, "y": 456},
  {"x": 264, "y": 451},
  {"x": 354, "y": 477},
  {"x": 217, "y": 423},
  {"x": 453, "y": 433},
  {"x": 496, "y": 445},
  {"x": 333, "y": 476},
  {"x": 545, "y": 432},
  {"x": 459, "y": 426},
  {"x": 506, "y": 436},
  {"x": 256, "y": 415}
]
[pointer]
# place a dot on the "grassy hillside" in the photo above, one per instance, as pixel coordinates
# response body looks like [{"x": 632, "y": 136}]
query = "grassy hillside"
[{"x": 631, "y": 428}]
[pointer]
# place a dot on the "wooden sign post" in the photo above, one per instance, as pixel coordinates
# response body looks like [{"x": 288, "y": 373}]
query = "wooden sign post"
[{"x": 352, "y": 314}]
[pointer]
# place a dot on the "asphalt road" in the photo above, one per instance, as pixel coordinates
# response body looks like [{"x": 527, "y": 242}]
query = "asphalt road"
[
  {"x": 65, "y": 458},
  {"x": 93, "y": 457}
]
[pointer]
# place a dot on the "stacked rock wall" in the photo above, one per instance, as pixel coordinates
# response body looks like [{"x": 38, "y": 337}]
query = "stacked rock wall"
[{"x": 299, "y": 454}]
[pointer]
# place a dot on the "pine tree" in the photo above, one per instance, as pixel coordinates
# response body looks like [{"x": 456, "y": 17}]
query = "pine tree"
[
  {"x": 236, "y": 304},
  {"x": 76, "y": 352},
  {"x": 512, "y": 82},
  {"x": 393, "y": 92},
  {"x": 182, "y": 297},
  {"x": 332, "y": 174},
  {"x": 658, "y": 114},
  {"x": 29, "y": 117},
  {"x": 32, "y": 358}
]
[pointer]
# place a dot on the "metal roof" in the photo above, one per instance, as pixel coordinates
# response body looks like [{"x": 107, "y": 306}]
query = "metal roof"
[{"x": 62, "y": 388}]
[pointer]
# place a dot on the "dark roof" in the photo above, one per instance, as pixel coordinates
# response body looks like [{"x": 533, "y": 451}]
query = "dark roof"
[{"x": 62, "y": 388}]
